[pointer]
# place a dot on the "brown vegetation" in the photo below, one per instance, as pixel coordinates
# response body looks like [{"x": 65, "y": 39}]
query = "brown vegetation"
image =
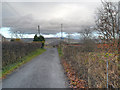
[{"x": 91, "y": 66}]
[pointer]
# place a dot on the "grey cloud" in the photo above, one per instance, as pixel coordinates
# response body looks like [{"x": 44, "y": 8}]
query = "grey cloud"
[{"x": 25, "y": 17}]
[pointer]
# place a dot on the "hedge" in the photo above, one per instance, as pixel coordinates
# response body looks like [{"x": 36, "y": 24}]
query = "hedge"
[{"x": 12, "y": 52}]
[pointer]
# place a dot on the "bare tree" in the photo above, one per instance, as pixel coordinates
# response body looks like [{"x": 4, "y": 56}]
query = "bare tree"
[
  {"x": 87, "y": 39},
  {"x": 86, "y": 33},
  {"x": 17, "y": 34},
  {"x": 107, "y": 21},
  {"x": 21, "y": 34}
]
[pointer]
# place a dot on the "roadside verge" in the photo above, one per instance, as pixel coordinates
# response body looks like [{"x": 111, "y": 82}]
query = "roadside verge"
[{"x": 10, "y": 68}]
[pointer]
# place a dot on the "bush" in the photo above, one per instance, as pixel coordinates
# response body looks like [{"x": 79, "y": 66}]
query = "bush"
[
  {"x": 88, "y": 45},
  {"x": 91, "y": 66},
  {"x": 12, "y": 52},
  {"x": 40, "y": 39}
]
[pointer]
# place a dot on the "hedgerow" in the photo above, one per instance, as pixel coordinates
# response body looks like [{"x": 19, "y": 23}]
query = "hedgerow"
[
  {"x": 13, "y": 52},
  {"x": 91, "y": 66}
]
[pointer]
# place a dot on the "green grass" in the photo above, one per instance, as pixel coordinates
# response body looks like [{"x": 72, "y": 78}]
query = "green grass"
[
  {"x": 9, "y": 68},
  {"x": 60, "y": 52}
]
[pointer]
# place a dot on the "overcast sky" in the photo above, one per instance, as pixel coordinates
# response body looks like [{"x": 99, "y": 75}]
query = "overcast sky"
[{"x": 26, "y": 16}]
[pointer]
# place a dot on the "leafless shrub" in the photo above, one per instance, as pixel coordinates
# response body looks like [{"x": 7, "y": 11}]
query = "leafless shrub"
[
  {"x": 91, "y": 66},
  {"x": 87, "y": 40}
]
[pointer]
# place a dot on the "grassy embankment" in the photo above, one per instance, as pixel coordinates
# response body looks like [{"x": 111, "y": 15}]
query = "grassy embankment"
[{"x": 9, "y": 68}]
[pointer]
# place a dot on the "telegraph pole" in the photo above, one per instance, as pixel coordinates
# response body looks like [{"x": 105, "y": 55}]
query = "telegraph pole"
[
  {"x": 39, "y": 30},
  {"x": 61, "y": 31},
  {"x": 61, "y": 37},
  {"x": 69, "y": 38}
]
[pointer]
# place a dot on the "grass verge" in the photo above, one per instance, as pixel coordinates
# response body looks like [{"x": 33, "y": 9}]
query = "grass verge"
[
  {"x": 60, "y": 52},
  {"x": 10, "y": 68}
]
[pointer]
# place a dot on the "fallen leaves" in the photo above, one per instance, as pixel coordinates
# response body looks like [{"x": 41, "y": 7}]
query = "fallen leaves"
[{"x": 74, "y": 81}]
